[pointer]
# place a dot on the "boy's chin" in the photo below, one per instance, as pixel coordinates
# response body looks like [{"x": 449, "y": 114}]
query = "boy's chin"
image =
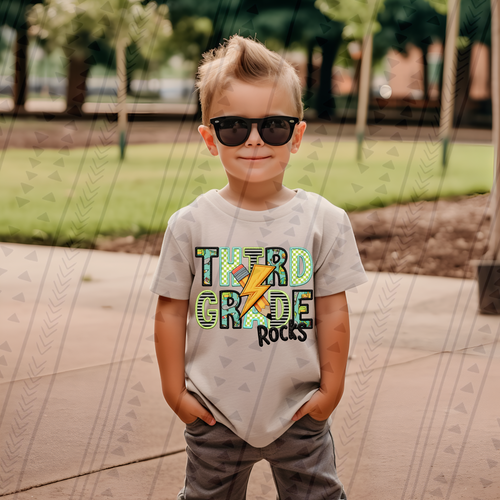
[
  {"x": 255, "y": 177},
  {"x": 257, "y": 169}
]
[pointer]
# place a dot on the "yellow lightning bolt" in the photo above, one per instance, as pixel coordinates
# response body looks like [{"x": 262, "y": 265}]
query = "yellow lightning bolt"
[{"x": 253, "y": 287}]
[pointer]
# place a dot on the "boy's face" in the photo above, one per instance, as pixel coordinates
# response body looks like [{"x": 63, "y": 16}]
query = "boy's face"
[{"x": 254, "y": 161}]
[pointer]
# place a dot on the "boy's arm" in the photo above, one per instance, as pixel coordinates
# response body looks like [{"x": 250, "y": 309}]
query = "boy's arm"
[
  {"x": 332, "y": 330},
  {"x": 170, "y": 345}
]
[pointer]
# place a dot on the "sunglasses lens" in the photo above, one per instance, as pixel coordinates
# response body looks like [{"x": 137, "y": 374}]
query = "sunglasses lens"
[
  {"x": 276, "y": 131},
  {"x": 232, "y": 131}
]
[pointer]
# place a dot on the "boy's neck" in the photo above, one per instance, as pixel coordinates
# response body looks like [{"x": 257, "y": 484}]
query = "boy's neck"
[{"x": 257, "y": 198}]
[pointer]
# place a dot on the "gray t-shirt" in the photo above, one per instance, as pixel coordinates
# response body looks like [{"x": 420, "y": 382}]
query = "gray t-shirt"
[{"x": 251, "y": 278}]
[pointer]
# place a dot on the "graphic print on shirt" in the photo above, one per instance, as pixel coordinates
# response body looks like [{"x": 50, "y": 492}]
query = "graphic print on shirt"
[{"x": 251, "y": 295}]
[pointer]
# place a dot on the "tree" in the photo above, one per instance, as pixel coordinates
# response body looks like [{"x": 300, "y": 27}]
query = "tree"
[
  {"x": 80, "y": 26},
  {"x": 13, "y": 14},
  {"x": 470, "y": 22},
  {"x": 409, "y": 21},
  {"x": 286, "y": 26},
  {"x": 279, "y": 24},
  {"x": 88, "y": 30},
  {"x": 360, "y": 24},
  {"x": 147, "y": 27}
]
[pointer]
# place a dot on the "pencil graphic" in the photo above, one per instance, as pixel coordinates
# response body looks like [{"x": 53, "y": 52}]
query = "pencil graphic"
[{"x": 241, "y": 275}]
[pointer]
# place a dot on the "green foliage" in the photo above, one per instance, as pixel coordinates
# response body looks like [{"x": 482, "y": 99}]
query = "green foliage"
[
  {"x": 475, "y": 20},
  {"x": 407, "y": 21},
  {"x": 440, "y": 6},
  {"x": 359, "y": 16},
  {"x": 77, "y": 25},
  {"x": 279, "y": 24},
  {"x": 13, "y": 12},
  {"x": 190, "y": 37},
  {"x": 276, "y": 23}
]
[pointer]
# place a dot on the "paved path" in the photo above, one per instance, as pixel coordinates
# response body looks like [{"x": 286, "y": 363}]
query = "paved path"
[{"x": 82, "y": 414}]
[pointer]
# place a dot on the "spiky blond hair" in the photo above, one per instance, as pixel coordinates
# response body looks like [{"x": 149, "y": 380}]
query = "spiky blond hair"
[{"x": 249, "y": 61}]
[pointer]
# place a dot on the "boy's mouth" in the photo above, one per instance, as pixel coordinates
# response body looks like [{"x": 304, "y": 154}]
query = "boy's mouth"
[{"x": 254, "y": 158}]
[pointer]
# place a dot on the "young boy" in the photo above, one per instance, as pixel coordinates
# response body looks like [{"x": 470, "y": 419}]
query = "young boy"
[{"x": 259, "y": 272}]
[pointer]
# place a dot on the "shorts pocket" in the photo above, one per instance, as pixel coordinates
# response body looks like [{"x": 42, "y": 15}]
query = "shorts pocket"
[
  {"x": 195, "y": 422},
  {"x": 317, "y": 422}
]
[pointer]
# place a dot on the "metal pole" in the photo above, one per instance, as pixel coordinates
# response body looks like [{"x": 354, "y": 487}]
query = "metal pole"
[
  {"x": 364, "y": 91},
  {"x": 494, "y": 237},
  {"x": 121, "y": 101},
  {"x": 449, "y": 76}
]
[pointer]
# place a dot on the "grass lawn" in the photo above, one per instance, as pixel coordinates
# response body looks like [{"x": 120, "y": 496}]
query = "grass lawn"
[{"x": 71, "y": 196}]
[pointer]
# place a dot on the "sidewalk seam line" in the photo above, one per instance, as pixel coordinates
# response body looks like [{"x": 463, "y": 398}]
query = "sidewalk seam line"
[{"x": 94, "y": 472}]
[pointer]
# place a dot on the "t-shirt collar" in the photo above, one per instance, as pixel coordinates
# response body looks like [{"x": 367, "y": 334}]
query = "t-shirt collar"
[{"x": 221, "y": 203}]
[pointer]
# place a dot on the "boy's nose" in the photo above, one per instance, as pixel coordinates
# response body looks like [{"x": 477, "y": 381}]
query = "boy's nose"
[{"x": 254, "y": 139}]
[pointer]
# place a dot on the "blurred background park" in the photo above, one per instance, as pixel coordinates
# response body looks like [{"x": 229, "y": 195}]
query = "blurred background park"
[
  {"x": 98, "y": 112},
  {"x": 99, "y": 147}
]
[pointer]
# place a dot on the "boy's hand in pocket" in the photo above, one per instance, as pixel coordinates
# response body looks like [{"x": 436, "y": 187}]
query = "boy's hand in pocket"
[
  {"x": 319, "y": 407},
  {"x": 188, "y": 409}
]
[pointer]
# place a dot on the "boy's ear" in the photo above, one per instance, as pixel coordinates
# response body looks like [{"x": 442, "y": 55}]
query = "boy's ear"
[
  {"x": 297, "y": 136},
  {"x": 209, "y": 139}
]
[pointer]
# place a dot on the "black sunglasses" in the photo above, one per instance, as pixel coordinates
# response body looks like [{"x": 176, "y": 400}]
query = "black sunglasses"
[{"x": 235, "y": 130}]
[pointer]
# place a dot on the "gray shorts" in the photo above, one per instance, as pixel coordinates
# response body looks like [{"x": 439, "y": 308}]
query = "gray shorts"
[{"x": 302, "y": 461}]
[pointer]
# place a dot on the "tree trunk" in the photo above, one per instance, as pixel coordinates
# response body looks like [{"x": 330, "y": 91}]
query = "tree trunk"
[
  {"x": 308, "y": 96},
  {"x": 440, "y": 78},
  {"x": 447, "y": 102},
  {"x": 353, "y": 94},
  {"x": 325, "y": 102},
  {"x": 77, "y": 81},
  {"x": 310, "y": 67},
  {"x": 462, "y": 84},
  {"x": 128, "y": 83},
  {"x": 21, "y": 73},
  {"x": 131, "y": 64},
  {"x": 426, "y": 72}
]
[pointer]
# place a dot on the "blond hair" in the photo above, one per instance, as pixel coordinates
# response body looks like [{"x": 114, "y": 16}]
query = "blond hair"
[{"x": 249, "y": 61}]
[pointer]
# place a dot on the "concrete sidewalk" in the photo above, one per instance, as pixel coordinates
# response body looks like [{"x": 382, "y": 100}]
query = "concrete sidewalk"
[{"x": 82, "y": 414}]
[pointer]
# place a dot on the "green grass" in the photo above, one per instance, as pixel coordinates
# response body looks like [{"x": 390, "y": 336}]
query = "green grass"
[{"x": 70, "y": 197}]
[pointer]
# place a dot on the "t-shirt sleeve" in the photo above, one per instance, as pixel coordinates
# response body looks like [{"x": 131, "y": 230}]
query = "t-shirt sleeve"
[
  {"x": 173, "y": 276},
  {"x": 341, "y": 268}
]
